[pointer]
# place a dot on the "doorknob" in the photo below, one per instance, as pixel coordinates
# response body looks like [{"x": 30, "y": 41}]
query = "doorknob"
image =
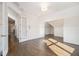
[{"x": 3, "y": 35}]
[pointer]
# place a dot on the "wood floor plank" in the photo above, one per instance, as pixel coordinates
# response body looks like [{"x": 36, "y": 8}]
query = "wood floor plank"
[{"x": 66, "y": 47}]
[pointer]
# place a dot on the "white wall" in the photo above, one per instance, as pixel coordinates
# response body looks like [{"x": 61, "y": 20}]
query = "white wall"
[
  {"x": 33, "y": 27},
  {"x": 71, "y": 30},
  {"x": 58, "y": 31}
]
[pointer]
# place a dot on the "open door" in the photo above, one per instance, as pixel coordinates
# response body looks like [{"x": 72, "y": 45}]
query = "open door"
[{"x": 11, "y": 35}]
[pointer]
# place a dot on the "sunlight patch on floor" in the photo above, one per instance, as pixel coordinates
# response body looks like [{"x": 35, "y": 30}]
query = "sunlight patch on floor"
[
  {"x": 66, "y": 47},
  {"x": 58, "y": 51},
  {"x": 59, "y": 48}
]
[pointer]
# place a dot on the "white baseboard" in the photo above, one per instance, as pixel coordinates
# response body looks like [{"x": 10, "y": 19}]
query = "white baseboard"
[
  {"x": 22, "y": 40},
  {"x": 71, "y": 42}
]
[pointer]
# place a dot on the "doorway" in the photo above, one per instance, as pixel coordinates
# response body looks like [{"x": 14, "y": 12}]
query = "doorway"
[
  {"x": 11, "y": 35},
  {"x": 49, "y": 31},
  {"x": 54, "y": 29}
]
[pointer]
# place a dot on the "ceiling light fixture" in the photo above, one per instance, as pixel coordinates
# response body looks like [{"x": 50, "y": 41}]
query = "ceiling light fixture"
[{"x": 44, "y": 6}]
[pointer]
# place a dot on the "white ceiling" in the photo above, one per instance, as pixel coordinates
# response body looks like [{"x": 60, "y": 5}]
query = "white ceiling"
[{"x": 35, "y": 8}]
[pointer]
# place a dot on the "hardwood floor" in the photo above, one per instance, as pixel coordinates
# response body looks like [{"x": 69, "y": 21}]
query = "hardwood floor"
[
  {"x": 34, "y": 47},
  {"x": 37, "y": 47}
]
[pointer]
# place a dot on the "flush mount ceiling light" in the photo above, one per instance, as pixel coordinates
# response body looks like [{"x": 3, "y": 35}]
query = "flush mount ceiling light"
[{"x": 44, "y": 6}]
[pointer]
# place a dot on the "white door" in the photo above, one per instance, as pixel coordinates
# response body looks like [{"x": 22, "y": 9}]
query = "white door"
[
  {"x": 23, "y": 29},
  {"x": 4, "y": 34},
  {"x": 0, "y": 28}
]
